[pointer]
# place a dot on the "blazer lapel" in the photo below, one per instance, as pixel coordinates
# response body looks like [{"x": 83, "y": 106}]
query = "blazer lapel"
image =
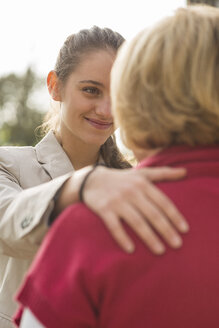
[{"x": 52, "y": 157}]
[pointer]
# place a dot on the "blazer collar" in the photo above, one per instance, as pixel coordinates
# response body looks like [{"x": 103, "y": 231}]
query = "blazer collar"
[{"x": 52, "y": 157}]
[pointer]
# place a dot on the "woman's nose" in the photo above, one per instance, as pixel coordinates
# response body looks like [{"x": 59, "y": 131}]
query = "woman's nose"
[{"x": 103, "y": 108}]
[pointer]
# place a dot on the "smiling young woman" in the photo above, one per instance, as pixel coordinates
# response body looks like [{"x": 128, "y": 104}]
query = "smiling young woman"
[
  {"x": 85, "y": 116},
  {"x": 80, "y": 134},
  {"x": 80, "y": 277}
]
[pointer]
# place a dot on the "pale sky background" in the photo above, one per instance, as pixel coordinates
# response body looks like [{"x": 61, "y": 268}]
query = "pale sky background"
[{"x": 32, "y": 31}]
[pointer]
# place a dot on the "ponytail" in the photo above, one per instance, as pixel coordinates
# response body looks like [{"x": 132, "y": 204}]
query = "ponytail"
[{"x": 112, "y": 155}]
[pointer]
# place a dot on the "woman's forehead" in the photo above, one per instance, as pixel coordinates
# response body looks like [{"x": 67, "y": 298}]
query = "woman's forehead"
[
  {"x": 97, "y": 57},
  {"x": 95, "y": 66}
]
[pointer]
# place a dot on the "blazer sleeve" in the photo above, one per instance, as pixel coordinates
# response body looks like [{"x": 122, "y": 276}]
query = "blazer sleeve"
[{"x": 23, "y": 212}]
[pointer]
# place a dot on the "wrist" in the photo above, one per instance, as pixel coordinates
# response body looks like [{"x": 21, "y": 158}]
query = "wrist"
[
  {"x": 88, "y": 176},
  {"x": 77, "y": 180}
]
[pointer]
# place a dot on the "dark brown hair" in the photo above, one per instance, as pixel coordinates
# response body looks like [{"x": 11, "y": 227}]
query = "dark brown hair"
[{"x": 74, "y": 49}]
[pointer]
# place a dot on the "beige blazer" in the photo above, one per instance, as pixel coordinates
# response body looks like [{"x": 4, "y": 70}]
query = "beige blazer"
[
  {"x": 29, "y": 179},
  {"x": 29, "y": 320}
]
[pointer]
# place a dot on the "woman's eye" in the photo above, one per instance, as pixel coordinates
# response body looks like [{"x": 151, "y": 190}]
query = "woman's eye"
[{"x": 91, "y": 90}]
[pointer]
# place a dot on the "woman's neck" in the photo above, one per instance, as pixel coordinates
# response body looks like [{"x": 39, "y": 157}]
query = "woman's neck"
[
  {"x": 141, "y": 153},
  {"x": 79, "y": 153}
]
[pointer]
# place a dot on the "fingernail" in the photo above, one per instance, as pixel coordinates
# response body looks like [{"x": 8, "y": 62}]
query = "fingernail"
[
  {"x": 184, "y": 227},
  {"x": 159, "y": 249},
  {"x": 176, "y": 241},
  {"x": 130, "y": 248}
]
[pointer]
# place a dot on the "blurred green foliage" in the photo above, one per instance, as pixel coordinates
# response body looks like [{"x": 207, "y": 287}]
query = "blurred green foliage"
[
  {"x": 19, "y": 115},
  {"x": 214, "y": 3}
]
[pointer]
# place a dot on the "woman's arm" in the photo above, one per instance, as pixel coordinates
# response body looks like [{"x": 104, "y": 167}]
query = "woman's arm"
[
  {"x": 24, "y": 211},
  {"x": 129, "y": 195}
]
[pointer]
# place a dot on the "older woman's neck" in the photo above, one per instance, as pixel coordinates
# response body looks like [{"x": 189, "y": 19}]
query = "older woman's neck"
[{"x": 141, "y": 153}]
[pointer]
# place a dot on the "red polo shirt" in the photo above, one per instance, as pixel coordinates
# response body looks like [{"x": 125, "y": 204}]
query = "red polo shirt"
[{"x": 81, "y": 278}]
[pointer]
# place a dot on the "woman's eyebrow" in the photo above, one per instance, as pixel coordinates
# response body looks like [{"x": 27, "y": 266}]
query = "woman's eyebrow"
[{"x": 93, "y": 82}]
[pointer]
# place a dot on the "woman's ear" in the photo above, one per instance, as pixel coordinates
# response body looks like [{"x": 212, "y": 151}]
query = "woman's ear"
[{"x": 53, "y": 86}]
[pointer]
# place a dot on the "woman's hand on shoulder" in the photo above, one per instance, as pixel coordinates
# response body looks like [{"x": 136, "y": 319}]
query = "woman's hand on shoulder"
[{"x": 130, "y": 195}]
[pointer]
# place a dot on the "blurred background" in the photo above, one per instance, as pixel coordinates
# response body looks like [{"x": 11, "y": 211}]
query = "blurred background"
[{"x": 31, "y": 34}]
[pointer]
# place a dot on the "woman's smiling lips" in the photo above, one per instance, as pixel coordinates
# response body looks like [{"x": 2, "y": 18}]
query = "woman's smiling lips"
[{"x": 101, "y": 125}]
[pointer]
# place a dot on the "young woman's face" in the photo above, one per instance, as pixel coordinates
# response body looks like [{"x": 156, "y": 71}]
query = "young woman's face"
[{"x": 85, "y": 105}]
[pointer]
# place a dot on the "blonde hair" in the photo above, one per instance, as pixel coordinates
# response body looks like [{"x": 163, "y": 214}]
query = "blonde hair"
[{"x": 165, "y": 82}]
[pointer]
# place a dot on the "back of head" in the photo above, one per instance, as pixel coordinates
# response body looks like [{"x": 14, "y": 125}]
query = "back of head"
[{"x": 165, "y": 82}]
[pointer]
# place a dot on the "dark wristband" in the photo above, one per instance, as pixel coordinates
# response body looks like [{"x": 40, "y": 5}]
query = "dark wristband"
[{"x": 81, "y": 190}]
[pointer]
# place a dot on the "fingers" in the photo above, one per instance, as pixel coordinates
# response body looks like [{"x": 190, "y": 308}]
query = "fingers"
[
  {"x": 160, "y": 223},
  {"x": 163, "y": 173},
  {"x": 143, "y": 230},
  {"x": 164, "y": 206},
  {"x": 118, "y": 232},
  {"x": 144, "y": 207}
]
